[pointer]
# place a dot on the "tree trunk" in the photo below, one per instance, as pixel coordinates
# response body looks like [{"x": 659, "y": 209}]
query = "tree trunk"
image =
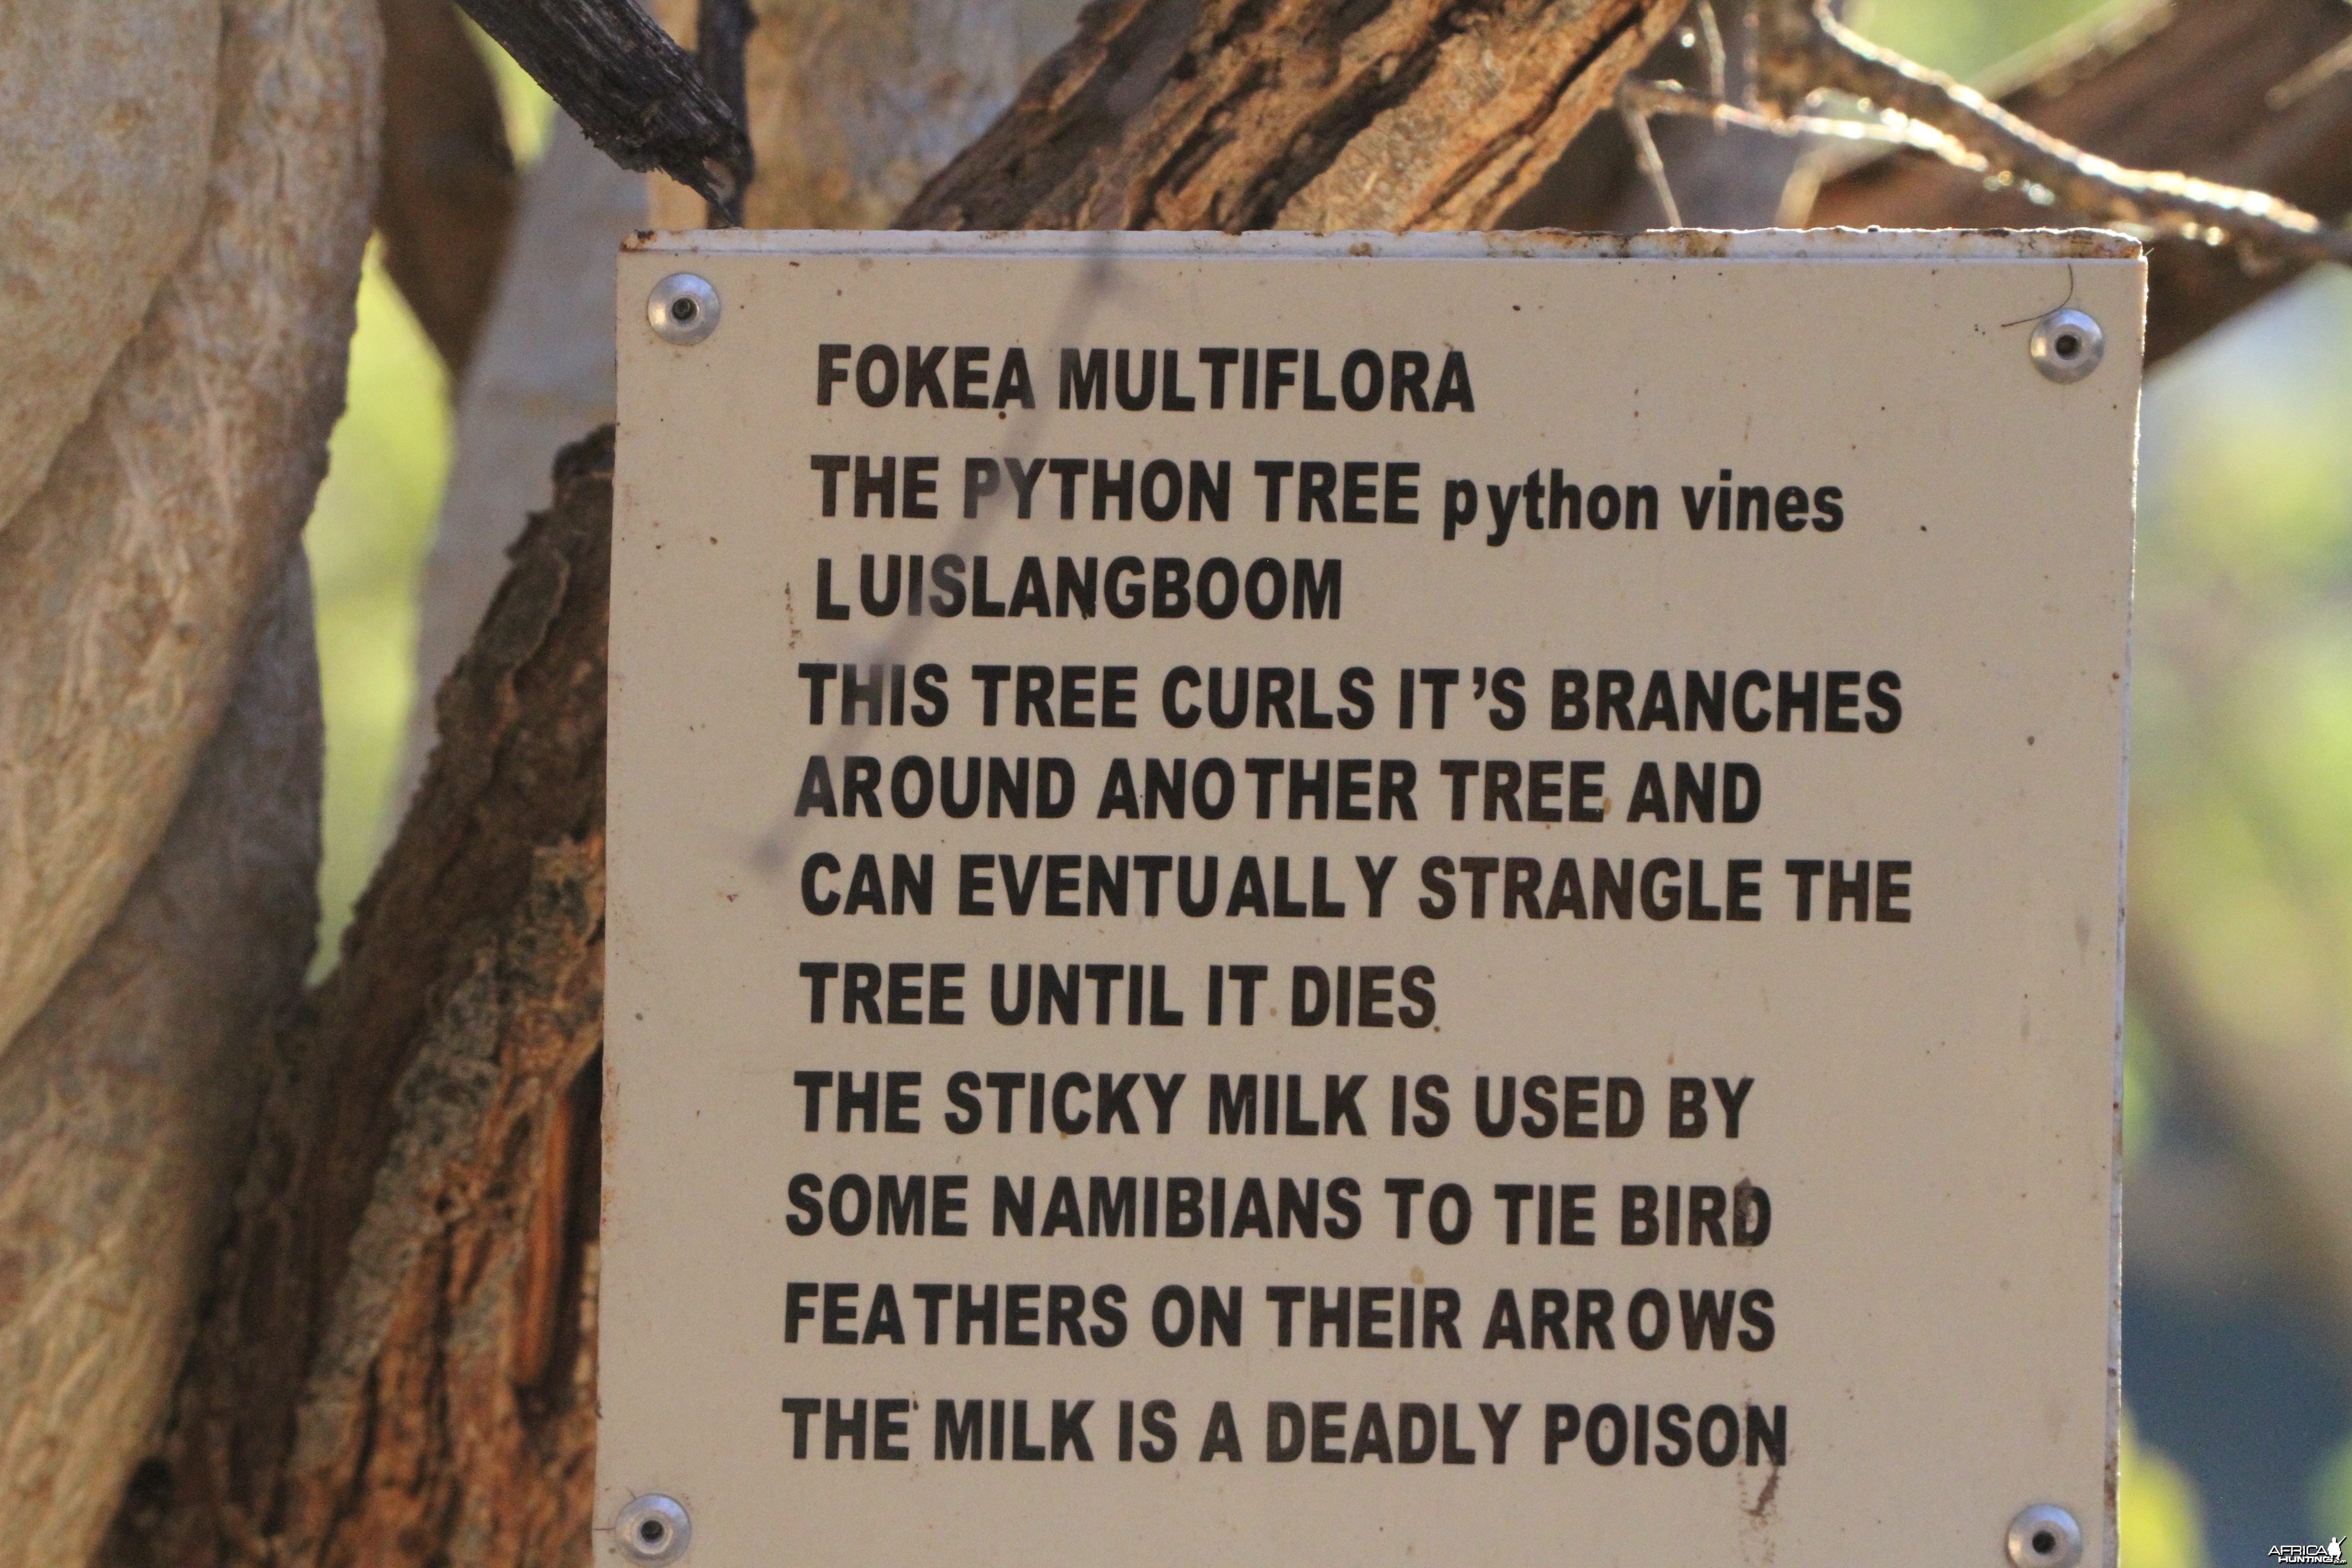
[
  {"x": 397, "y": 1363},
  {"x": 855, "y": 103},
  {"x": 127, "y": 1104},
  {"x": 184, "y": 196},
  {"x": 131, "y": 581}
]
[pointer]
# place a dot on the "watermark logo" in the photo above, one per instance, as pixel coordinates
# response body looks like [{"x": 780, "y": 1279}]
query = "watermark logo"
[{"x": 2307, "y": 1553}]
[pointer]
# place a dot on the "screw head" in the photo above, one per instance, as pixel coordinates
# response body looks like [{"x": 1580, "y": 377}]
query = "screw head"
[
  {"x": 653, "y": 1530},
  {"x": 2066, "y": 346},
  {"x": 2045, "y": 1536},
  {"x": 682, "y": 308}
]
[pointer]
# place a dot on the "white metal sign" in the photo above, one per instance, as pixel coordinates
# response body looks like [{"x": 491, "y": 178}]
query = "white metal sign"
[{"x": 1366, "y": 900}]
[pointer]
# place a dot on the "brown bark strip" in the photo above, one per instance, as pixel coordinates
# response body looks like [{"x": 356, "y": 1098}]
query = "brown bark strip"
[
  {"x": 449, "y": 185},
  {"x": 352, "y": 1396},
  {"x": 1509, "y": 94},
  {"x": 425, "y": 1422},
  {"x": 2183, "y": 85},
  {"x": 1295, "y": 113},
  {"x": 546, "y": 1234}
]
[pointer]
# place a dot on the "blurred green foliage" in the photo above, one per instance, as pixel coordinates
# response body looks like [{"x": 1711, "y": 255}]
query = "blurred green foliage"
[
  {"x": 2243, "y": 732},
  {"x": 2242, "y": 676},
  {"x": 2241, "y": 871},
  {"x": 2155, "y": 1510},
  {"x": 367, "y": 538},
  {"x": 2331, "y": 1494},
  {"x": 1965, "y": 38}
]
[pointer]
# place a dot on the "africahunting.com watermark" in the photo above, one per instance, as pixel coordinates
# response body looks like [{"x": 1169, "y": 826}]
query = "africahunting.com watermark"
[{"x": 2308, "y": 1553}]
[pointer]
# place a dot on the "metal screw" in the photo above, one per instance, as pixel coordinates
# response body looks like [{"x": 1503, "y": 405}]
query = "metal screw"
[
  {"x": 683, "y": 309},
  {"x": 2066, "y": 346},
  {"x": 653, "y": 1530},
  {"x": 2045, "y": 1537}
]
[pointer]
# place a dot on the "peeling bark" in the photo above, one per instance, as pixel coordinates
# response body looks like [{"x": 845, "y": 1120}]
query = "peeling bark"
[
  {"x": 451, "y": 1408},
  {"x": 354, "y": 1395}
]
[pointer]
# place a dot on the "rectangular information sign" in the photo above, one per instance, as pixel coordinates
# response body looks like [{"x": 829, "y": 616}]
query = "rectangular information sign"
[{"x": 1366, "y": 900}]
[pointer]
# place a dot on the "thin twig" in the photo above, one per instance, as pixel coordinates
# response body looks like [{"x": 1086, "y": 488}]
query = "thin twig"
[
  {"x": 1645, "y": 150},
  {"x": 2311, "y": 77},
  {"x": 1806, "y": 52},
  {"x": 1671, "y": 97},
  {"x": 1710, "y": 32}
]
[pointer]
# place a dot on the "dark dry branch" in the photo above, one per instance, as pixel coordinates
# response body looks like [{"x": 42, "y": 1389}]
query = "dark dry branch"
[
  {"x": 722, "y": 29},
  {"x": 636, "y": 94}
]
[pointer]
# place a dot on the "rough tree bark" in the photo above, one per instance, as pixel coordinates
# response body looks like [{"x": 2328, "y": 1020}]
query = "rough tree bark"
[
  {"x": 1298, "y": 115},
  {"x": 397, "y": 1363},
  {"x": 105, "y": 119}
]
